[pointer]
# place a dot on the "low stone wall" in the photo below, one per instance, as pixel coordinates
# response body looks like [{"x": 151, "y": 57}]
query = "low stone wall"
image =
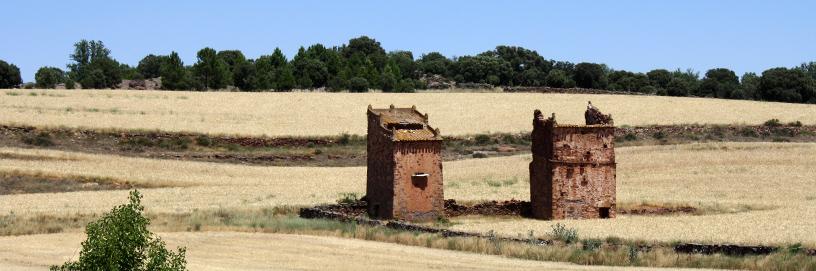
[{"x": 355, "y": 213}]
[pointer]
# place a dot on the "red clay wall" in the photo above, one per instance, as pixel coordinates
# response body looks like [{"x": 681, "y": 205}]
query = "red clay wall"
[
  {"x": 380, "y": 171},
  {"x": 573, "y": 171},
  {"x": 418, "y": 198}
]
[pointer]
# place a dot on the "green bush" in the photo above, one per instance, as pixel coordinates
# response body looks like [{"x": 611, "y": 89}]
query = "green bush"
[
  {"x": 659, "y": 135},
  {"x": 482, "y": 139},
  {"x": 175, "y": 144},
  {"x": 42, "y": 139},
  {"x": 591, "y": 244},
  {"x": 748, "y": 132},
  {"x": 204, "y": 140},
  {"x": 561, "y": 232},
  {"x": 772, "y": 123},
  {"x": 120, "y": 240},
  {"x": 348, "y": 198},
  {"x": 795, "y": 123}
]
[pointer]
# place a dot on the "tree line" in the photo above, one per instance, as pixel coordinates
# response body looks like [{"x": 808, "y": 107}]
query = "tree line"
[{"x": 364, "y": 64}]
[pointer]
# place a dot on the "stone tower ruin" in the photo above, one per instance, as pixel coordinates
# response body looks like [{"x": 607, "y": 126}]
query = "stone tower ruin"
[
  {"x": 572, "y": 175},
  {"x": 404, "y": 176}
]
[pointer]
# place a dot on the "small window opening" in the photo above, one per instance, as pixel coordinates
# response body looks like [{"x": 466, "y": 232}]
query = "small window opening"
[
  {"x": 603, "y": 212},
  {"x": 420, "y": 180}
]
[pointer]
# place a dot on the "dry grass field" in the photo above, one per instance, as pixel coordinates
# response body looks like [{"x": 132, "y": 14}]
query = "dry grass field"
[
  {"x": 259, "y": 251},
  {"x": 773, "y": 185},
  {"x": 313, "y": 114}
]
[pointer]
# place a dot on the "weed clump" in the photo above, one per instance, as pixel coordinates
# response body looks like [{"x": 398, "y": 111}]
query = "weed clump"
[
  {"x": 562, "y": 233},
  {"x": 348, "y": 198}
]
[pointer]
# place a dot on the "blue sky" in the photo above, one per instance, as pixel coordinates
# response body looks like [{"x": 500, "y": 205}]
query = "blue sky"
[{"x": 632, "y": 35}]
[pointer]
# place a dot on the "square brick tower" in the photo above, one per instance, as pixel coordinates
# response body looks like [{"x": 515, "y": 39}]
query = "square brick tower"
[
  {"x": 572, "y": 175},
  {"x": 404, "y": 176}
]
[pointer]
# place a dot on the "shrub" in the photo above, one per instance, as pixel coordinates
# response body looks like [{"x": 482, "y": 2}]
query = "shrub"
[
  {"x": 176, "y": 144},
  {"x": 795, "y": 123},
  {"x": 136, "y": 143},
  {"x": 204, "y": 140},
  {"x": 772, "y": 123},
  {"x": 632, "y": 254},
  {"x": 561, "y": 232},
  {"x": 659, "y": 135},
  {"x": 591, "y": 244},
  {"x": 348, "y": 198},
  {"x": 69, "y": 84},
  {"x": 482, "y": 139},
  {"x": 120, "y": 240},
  {"x": 748, "y": 132},
  {"x": 42, "y": 139},
  {"x": 344, "y": 139},
  {"x": 630, "y": 137}
]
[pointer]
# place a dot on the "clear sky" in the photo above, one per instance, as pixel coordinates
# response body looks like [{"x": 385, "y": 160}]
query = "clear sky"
[{"x": 632, "y": 35}]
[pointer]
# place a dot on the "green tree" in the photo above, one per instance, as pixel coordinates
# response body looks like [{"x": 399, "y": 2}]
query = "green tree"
[
  {"x": 174, "y": 75},
  {"x": 809, "y": 68},
  {"x": 749, "y": 86},
  {"x": 235, "y": 60},
  {"x": 244, "y": 76},
  {"x": 690, "y": 78},
  {"x": 786, "y": 85},
  {"x": 590, "y": 75},
  {"x": 358, "y": 84},
  {"x": 488, "y": 69},
  {"x": 404, "y": 62},
  {"x": 627, "y": 81},
  {"x": 309, "y": 70},
  {"x": 49, "y": 77},
  {"x": 678, "y": 87},
  {"x": 93, "y": 67},
  {"x": 211, "y": 71},
  {"x": 150, "y": 66},
  {"x": 286, "y": 78},
  {"x": 120, "y": 240},
  {"x": 719, "y": 83},
  {"x": 129, "y": 73},
  {"x": 557, "y": 78},
  {"x": 9, "y": 75},
  {"x": 434, "y": 63},
  {"x": 527, "y": 67},
  {"x": 389, "y": 80},
  {"x": 267, "y": 68},
  {"x": 659, "y": 78}
]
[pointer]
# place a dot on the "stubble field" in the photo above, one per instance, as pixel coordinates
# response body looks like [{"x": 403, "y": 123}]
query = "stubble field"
[
  {"x": 749, "y": 193},
  {"x": 762, "y": 193},
  {"x": 321, "y": 114}
]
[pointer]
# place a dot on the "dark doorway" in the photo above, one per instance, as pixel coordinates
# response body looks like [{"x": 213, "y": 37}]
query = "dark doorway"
[{"x": 603, "y": 212}]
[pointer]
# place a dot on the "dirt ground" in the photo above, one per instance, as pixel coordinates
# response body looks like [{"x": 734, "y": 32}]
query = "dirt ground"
[{"x": 259, "y": 251}]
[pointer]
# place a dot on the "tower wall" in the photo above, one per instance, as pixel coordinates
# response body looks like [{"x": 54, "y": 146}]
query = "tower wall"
[{"x": 572, "y": 175}]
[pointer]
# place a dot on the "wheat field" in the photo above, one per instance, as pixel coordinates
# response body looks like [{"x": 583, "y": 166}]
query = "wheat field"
[
  {"x": 775, "y": 181},
  {"x": 263, "y": 251},
  {"x": 316, "y": 114}
]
